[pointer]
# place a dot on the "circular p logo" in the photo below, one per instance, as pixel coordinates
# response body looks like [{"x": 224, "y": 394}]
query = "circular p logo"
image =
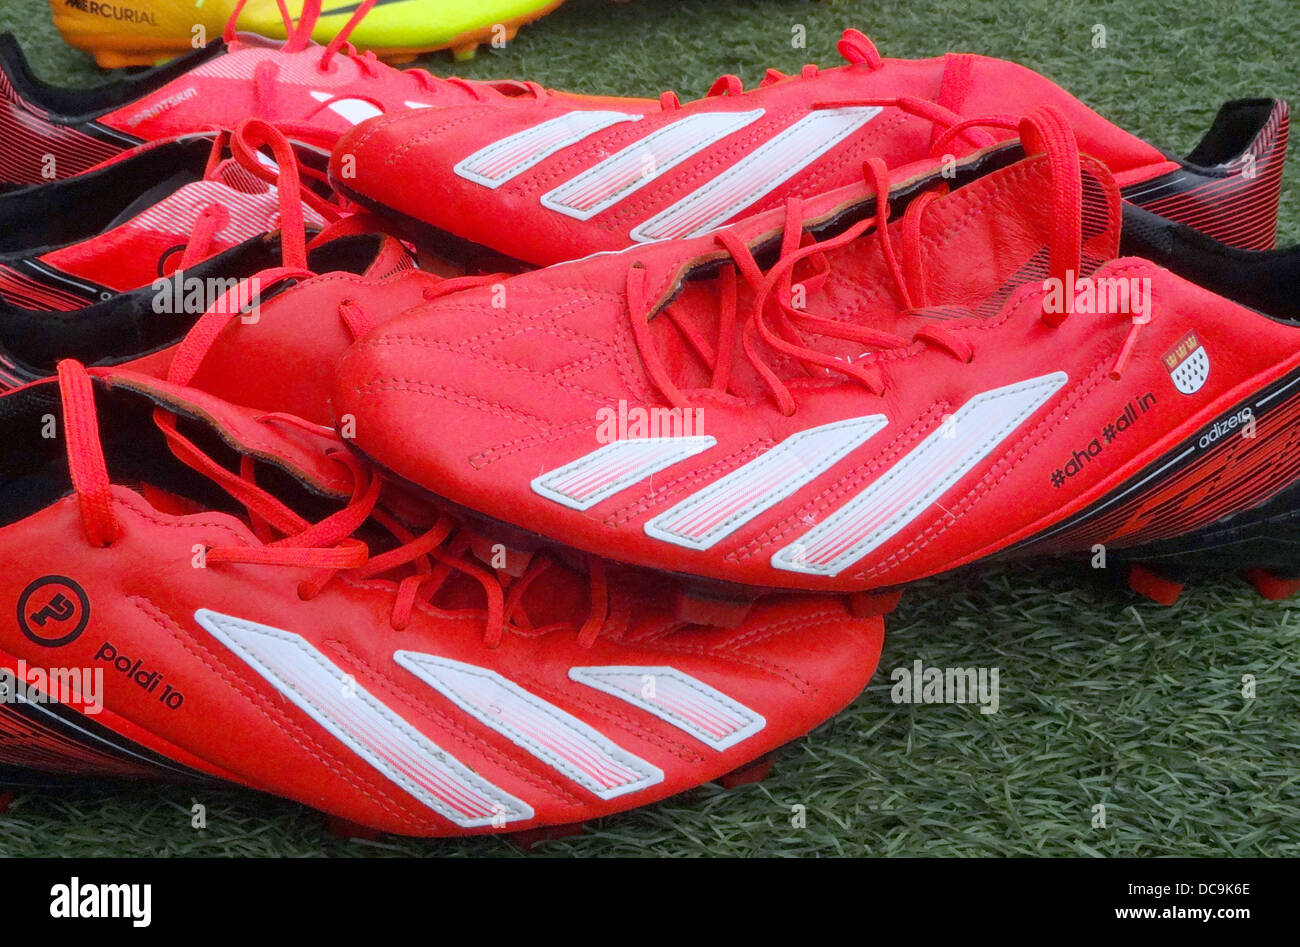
[{"x": 53, "y": 611}]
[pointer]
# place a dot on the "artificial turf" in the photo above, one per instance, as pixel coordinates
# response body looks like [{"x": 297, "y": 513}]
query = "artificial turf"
[{"x": 1106, "y": 699}]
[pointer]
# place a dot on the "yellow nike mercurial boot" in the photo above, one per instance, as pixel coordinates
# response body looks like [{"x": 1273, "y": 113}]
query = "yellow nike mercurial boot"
[{"x": 145, "y": 32}]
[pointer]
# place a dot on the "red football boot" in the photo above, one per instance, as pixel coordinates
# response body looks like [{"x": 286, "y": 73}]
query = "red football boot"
[
  {"x": 77, "y": 242},
  {"x": 280, "y": 300},
  {"x": 575, "y": 182},
  {"x": 296, "y": 320},
  {"x": 205, "y": 592},
  {"x": 811, "y": 401},
  {"x": 305, "y": 323},
  {"x": 318, "y": 91}
]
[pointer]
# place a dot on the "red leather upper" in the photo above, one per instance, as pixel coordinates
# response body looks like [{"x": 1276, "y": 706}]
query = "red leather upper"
[
  {"x": 256, "y": 78},
  {"x": 476, "y": 395},
  {"x": 793, "y": 662},
  {"x": 407, "y": 162}
]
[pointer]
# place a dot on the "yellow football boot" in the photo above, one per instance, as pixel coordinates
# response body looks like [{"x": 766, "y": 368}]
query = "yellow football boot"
[{"x": 146, "y": 32}]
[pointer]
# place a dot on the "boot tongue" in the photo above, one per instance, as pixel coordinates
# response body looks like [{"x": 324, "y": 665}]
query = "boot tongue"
[
  {"x": 390, "y": 258},
  {"x": 988, "y": 242},
  {"x": 979, "y": 244},
  {"x": 238, "y": 178},
  {"x": 302, "y": 453}
]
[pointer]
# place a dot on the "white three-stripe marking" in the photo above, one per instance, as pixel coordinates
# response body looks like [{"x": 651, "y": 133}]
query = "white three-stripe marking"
[
  {"x": 510, "y": 157},
  {"x": 902, "y": 493},
  {"x": 643, "y": 161},
  {"x": 544, "y": 730},
  {"x": 362, "y": 723},
  {"x": 586, "y": 481},
  {"x": 355, "y": 111},
  {"x": 717, "y": 511},
  {"x": 756, "y": 175},
  {"x": 674, "y": 696}
]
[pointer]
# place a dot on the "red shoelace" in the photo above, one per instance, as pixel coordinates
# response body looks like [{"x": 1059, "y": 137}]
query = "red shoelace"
[
  {"x": 299, "y": 38},
  {"x": 282, "y": 176},
  {"x": 778, "y": 324},
  {"x": 329, "y": 548},
  {"x": 284, "y": 173},
  {"x": 858, "y": 50}
]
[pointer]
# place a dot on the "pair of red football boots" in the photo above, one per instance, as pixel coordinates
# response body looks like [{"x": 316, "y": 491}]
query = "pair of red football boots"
[
  {"x": 946, "y": 362},
  {"x": 756, "y": 373},
  {"x": 208, "y": 584},
  {"x": 542, "y": 548},
  {"x": 758, "y": 379}
]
